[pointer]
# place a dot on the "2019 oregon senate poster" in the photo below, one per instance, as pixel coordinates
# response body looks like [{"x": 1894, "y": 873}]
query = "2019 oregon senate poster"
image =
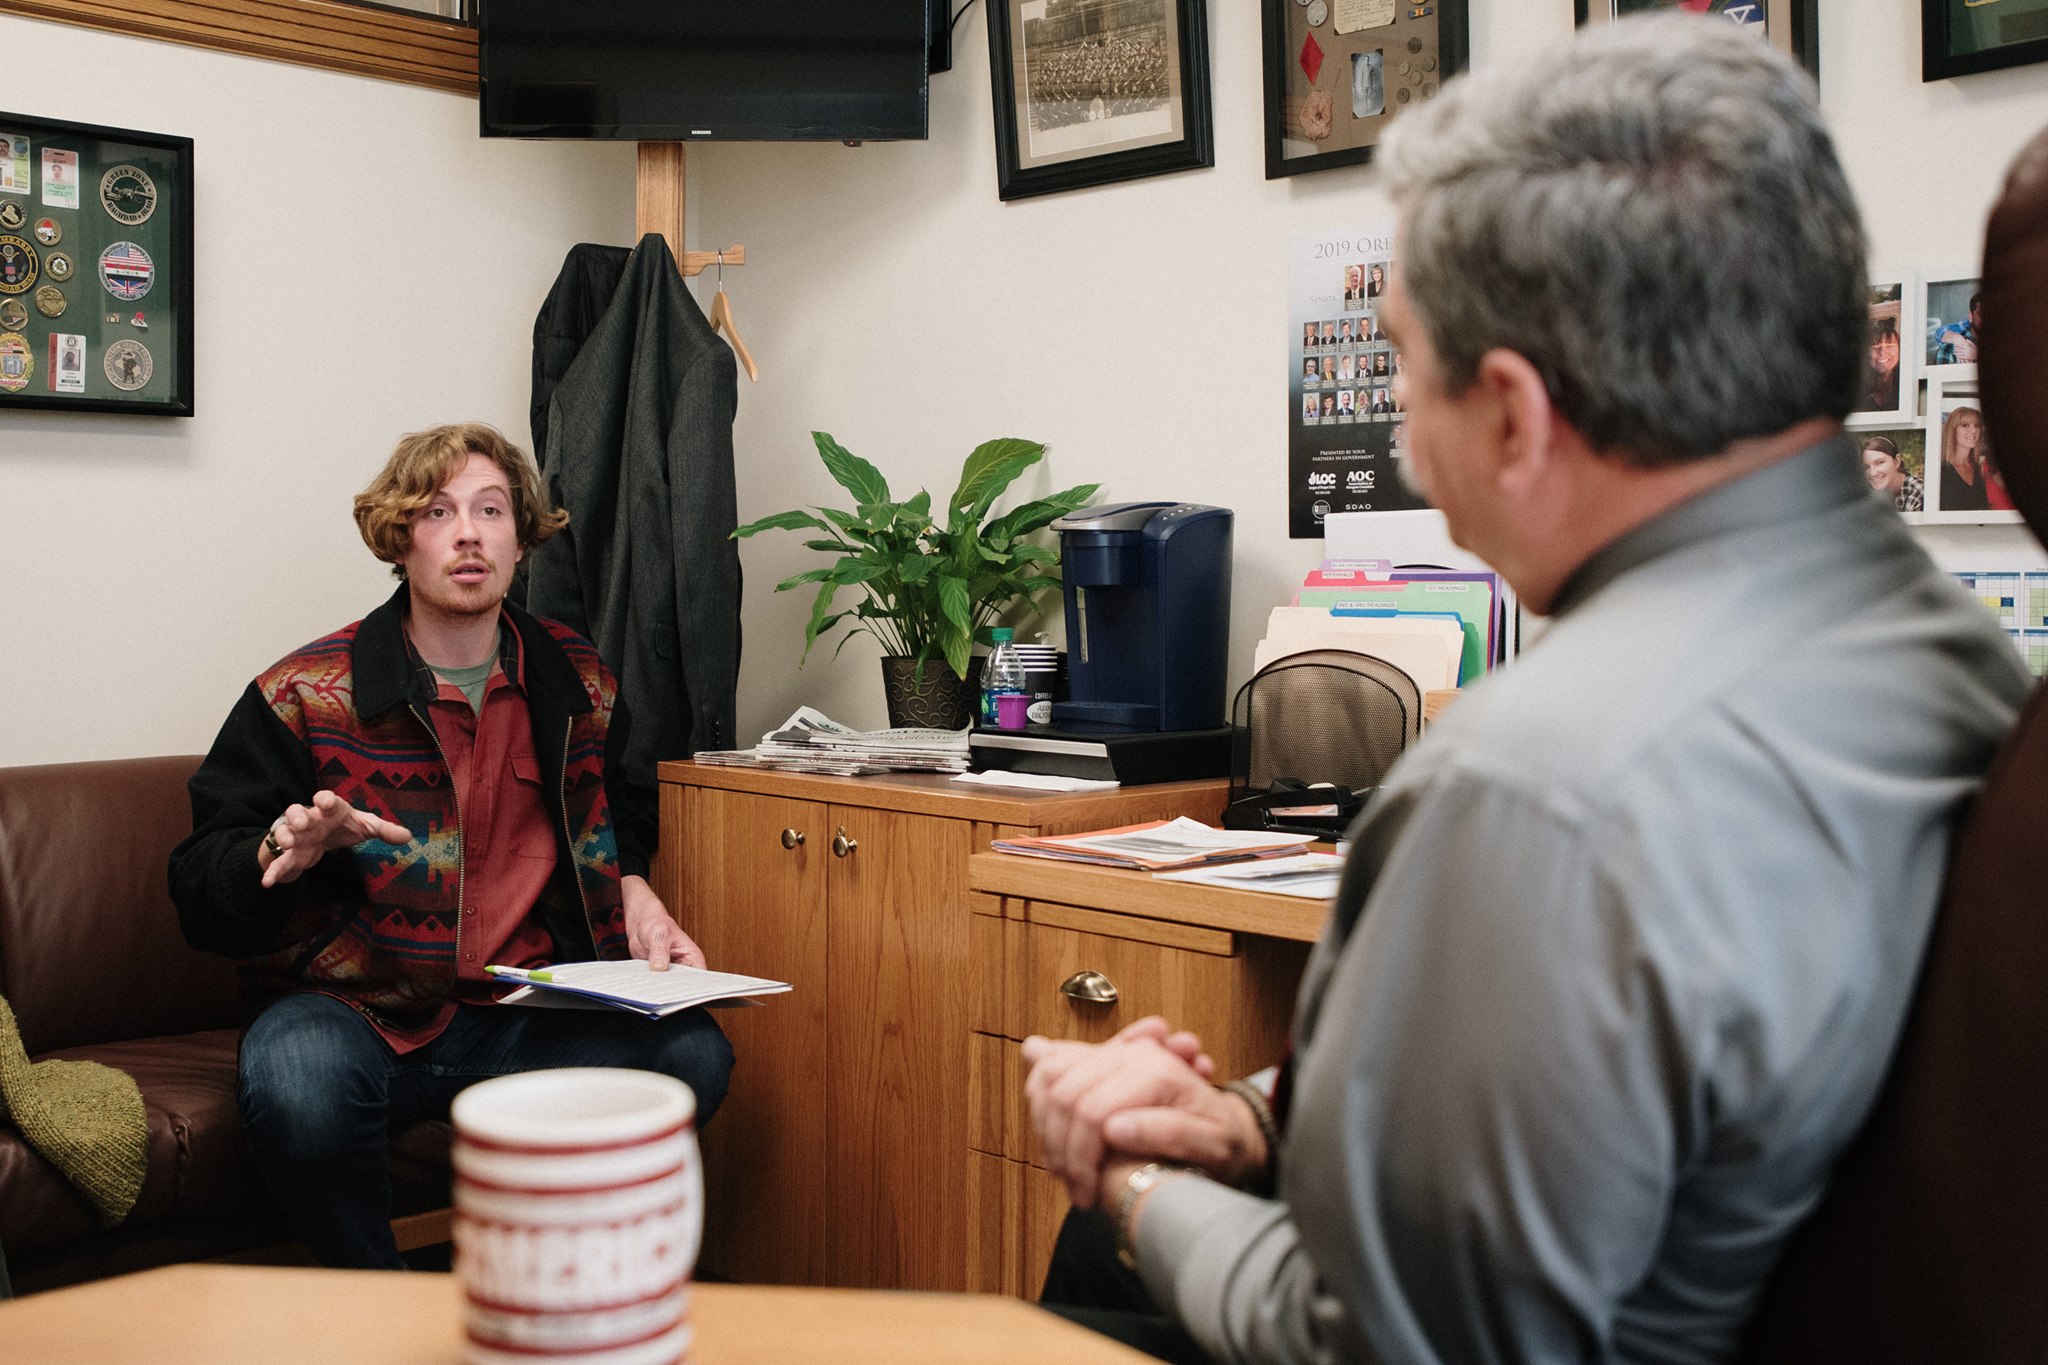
[{"x": 1344, "y": 421}]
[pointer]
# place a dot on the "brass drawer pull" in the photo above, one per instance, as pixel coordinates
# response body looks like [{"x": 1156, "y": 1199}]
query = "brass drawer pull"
[
  {"x": 841, "y": 845},
  {"x": 792, "y": 837},
  {"x": 1091, "y": 988}
]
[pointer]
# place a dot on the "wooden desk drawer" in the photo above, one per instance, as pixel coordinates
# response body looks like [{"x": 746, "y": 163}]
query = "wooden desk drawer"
[{"x": 1190, "y": 985}]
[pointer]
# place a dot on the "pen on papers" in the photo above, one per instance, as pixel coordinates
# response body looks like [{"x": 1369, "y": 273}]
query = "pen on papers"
[{"x": 516, "y": 974}]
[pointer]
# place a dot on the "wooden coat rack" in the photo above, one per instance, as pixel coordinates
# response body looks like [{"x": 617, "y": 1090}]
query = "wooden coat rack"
[
  {"x": 658, "y": 202},
  {"x": 658, "y": 206}
]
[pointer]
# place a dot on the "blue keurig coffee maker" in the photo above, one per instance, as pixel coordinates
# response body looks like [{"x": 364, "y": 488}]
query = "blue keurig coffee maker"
[{"x": 1148, "y": 633}]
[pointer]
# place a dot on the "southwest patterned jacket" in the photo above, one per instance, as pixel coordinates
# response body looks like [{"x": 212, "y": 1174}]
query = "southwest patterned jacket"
[{"x": 379, "y": 925}]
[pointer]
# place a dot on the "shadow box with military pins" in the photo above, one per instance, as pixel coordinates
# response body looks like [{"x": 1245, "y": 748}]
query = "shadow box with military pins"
[{"x": 95, "y": 268}]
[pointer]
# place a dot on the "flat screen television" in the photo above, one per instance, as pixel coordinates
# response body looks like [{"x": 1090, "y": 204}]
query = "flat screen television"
[{"x": 704, "y": 70}]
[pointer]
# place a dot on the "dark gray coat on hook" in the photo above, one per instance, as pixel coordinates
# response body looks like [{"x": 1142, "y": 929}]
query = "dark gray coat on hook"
[{"x": 633, "y": 402}]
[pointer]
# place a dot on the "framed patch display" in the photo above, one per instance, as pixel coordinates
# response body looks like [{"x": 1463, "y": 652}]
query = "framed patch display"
[
  {"x": 1791, "y": 26},
  {"x": 95, "y": 268},
  {"x": 1092, "y": 94},
  {"x": 1963, "y": 37},
  {"x": 1339, "y": 71}
]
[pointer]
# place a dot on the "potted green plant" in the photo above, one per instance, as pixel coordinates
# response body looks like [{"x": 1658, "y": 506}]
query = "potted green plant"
[{"x": 929, "y": 588}]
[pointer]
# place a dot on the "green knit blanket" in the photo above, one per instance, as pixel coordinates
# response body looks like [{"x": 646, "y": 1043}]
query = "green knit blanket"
[{"x": 86, "y": 1119}]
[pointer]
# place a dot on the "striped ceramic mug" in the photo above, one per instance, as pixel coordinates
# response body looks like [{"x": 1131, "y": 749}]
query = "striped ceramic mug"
[{"x": 579, "y": 1207}]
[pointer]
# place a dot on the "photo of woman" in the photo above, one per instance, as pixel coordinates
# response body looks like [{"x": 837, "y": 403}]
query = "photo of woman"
[
  {"x": 1965, "y": 468},
  {"x": 1884, "y": 466},
  {"x": 1376, "y": 281},
  {"x": 1882, "y": 379}
]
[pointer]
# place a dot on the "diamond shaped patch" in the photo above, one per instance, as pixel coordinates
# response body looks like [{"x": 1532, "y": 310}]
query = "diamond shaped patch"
[{"x": 1311, "y": 58}]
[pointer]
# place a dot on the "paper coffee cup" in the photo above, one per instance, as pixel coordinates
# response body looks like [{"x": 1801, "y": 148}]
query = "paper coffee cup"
[{"x": 579, "y": 1209}]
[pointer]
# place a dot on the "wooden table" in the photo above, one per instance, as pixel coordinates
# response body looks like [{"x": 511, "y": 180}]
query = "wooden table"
[{"x": 264, "y": 1315}]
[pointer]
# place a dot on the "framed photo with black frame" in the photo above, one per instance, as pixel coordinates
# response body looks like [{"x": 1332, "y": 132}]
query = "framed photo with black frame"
[
  {"x": 1094, "y": 94},
  {"x": 1791, "y": 26},
  {"x": 95, "y": 268},
  {"x": 1963, "y": 37},
  {"x": 1339, "y": 71}
]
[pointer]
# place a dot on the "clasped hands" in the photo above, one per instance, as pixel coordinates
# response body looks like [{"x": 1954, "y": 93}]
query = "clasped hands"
[
  {"x": 305, "y": 834},
  {"x": 1103, "y": 1109}
]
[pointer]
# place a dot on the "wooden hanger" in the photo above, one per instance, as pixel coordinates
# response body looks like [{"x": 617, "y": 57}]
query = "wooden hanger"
[{"x": 721, "y": 321}]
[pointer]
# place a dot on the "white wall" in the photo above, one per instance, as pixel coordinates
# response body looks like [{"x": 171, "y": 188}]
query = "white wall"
[
  {"x": 366, "y": 266},
  {"x": 1140, "y": 329}
]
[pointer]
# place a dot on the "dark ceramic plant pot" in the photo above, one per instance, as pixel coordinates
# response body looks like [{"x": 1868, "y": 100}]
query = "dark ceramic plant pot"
[{"x": 936, "y": 701}]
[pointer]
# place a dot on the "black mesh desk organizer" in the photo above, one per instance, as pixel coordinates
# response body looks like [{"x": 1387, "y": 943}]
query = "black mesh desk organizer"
[{"x": 1321, "y": 716}]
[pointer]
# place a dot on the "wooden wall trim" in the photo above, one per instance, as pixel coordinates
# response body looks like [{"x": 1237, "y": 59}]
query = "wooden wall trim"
[{"x": 387, "y": 44}]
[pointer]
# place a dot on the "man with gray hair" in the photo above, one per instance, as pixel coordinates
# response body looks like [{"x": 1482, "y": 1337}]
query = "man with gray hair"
[{"x": 1624, "y": 945}]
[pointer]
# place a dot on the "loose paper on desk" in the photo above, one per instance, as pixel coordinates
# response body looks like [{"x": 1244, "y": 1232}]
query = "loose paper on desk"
[
  {"x": 1038, "y": 782},
  {"x": 1427, "y": 649},
  {"x": 630, "y": 985},
  {"x": 1312, "y": 876},
  {"x": 1156, "y": 845}
]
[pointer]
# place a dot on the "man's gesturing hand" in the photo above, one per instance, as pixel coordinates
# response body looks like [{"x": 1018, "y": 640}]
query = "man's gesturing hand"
[{"x": 306, "y": 834}]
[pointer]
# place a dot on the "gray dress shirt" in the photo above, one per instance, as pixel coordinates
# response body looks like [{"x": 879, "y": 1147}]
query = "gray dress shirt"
[{"x": 1621, "y": 954}]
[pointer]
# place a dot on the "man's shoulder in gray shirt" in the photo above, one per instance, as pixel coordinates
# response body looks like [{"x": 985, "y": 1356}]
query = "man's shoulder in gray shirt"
[{"x": 1622, "y": 954}]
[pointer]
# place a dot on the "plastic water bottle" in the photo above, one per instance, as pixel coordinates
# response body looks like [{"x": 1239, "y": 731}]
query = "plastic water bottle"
[{"x": 1005, "y": 694}]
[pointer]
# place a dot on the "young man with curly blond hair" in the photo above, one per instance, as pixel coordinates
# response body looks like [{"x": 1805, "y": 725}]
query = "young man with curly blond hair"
[{"x": 393, "y": 807}]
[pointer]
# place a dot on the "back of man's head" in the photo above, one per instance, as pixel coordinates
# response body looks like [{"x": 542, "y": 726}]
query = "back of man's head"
[{"x": 1654, "y": 217}]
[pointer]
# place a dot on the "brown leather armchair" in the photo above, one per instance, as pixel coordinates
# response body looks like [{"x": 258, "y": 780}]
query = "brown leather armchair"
[
  {"x": 95, "y": 968},
  {"x": 1929, "y": 1245}
]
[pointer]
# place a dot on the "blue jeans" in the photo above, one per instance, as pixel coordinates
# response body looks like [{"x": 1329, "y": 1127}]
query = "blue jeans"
[{"x": 323, "y": 1094}]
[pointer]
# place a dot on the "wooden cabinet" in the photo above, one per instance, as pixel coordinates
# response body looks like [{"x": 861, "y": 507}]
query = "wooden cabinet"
[
  {"x": 1049, "y": 936},
  {"x": 836, "y": 1158}
]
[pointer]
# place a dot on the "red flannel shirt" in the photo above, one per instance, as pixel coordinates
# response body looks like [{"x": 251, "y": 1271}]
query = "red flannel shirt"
[{"x": 508, "y": 845}]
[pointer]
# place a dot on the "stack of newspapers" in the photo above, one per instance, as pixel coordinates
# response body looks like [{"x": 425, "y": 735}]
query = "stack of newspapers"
[{"x": 811, "y": 742}]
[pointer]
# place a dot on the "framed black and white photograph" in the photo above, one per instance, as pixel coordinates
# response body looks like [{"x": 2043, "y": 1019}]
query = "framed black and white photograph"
[
  {"x": 95, "y": 268},
  {"x": 1963, "y": 37},
  {"x": 1338, "y": 72},
  {"x": 1791, "y": 26},
  {"x": 1889, "y": 379},
  {"x": 1089, "y": 92}
]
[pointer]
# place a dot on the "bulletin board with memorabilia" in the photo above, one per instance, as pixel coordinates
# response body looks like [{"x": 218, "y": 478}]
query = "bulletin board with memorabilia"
[
  {"x": 1339, "y": 71},
  {"x": 95, "y": 268},
  {"x": 1345, "y": 428}
]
